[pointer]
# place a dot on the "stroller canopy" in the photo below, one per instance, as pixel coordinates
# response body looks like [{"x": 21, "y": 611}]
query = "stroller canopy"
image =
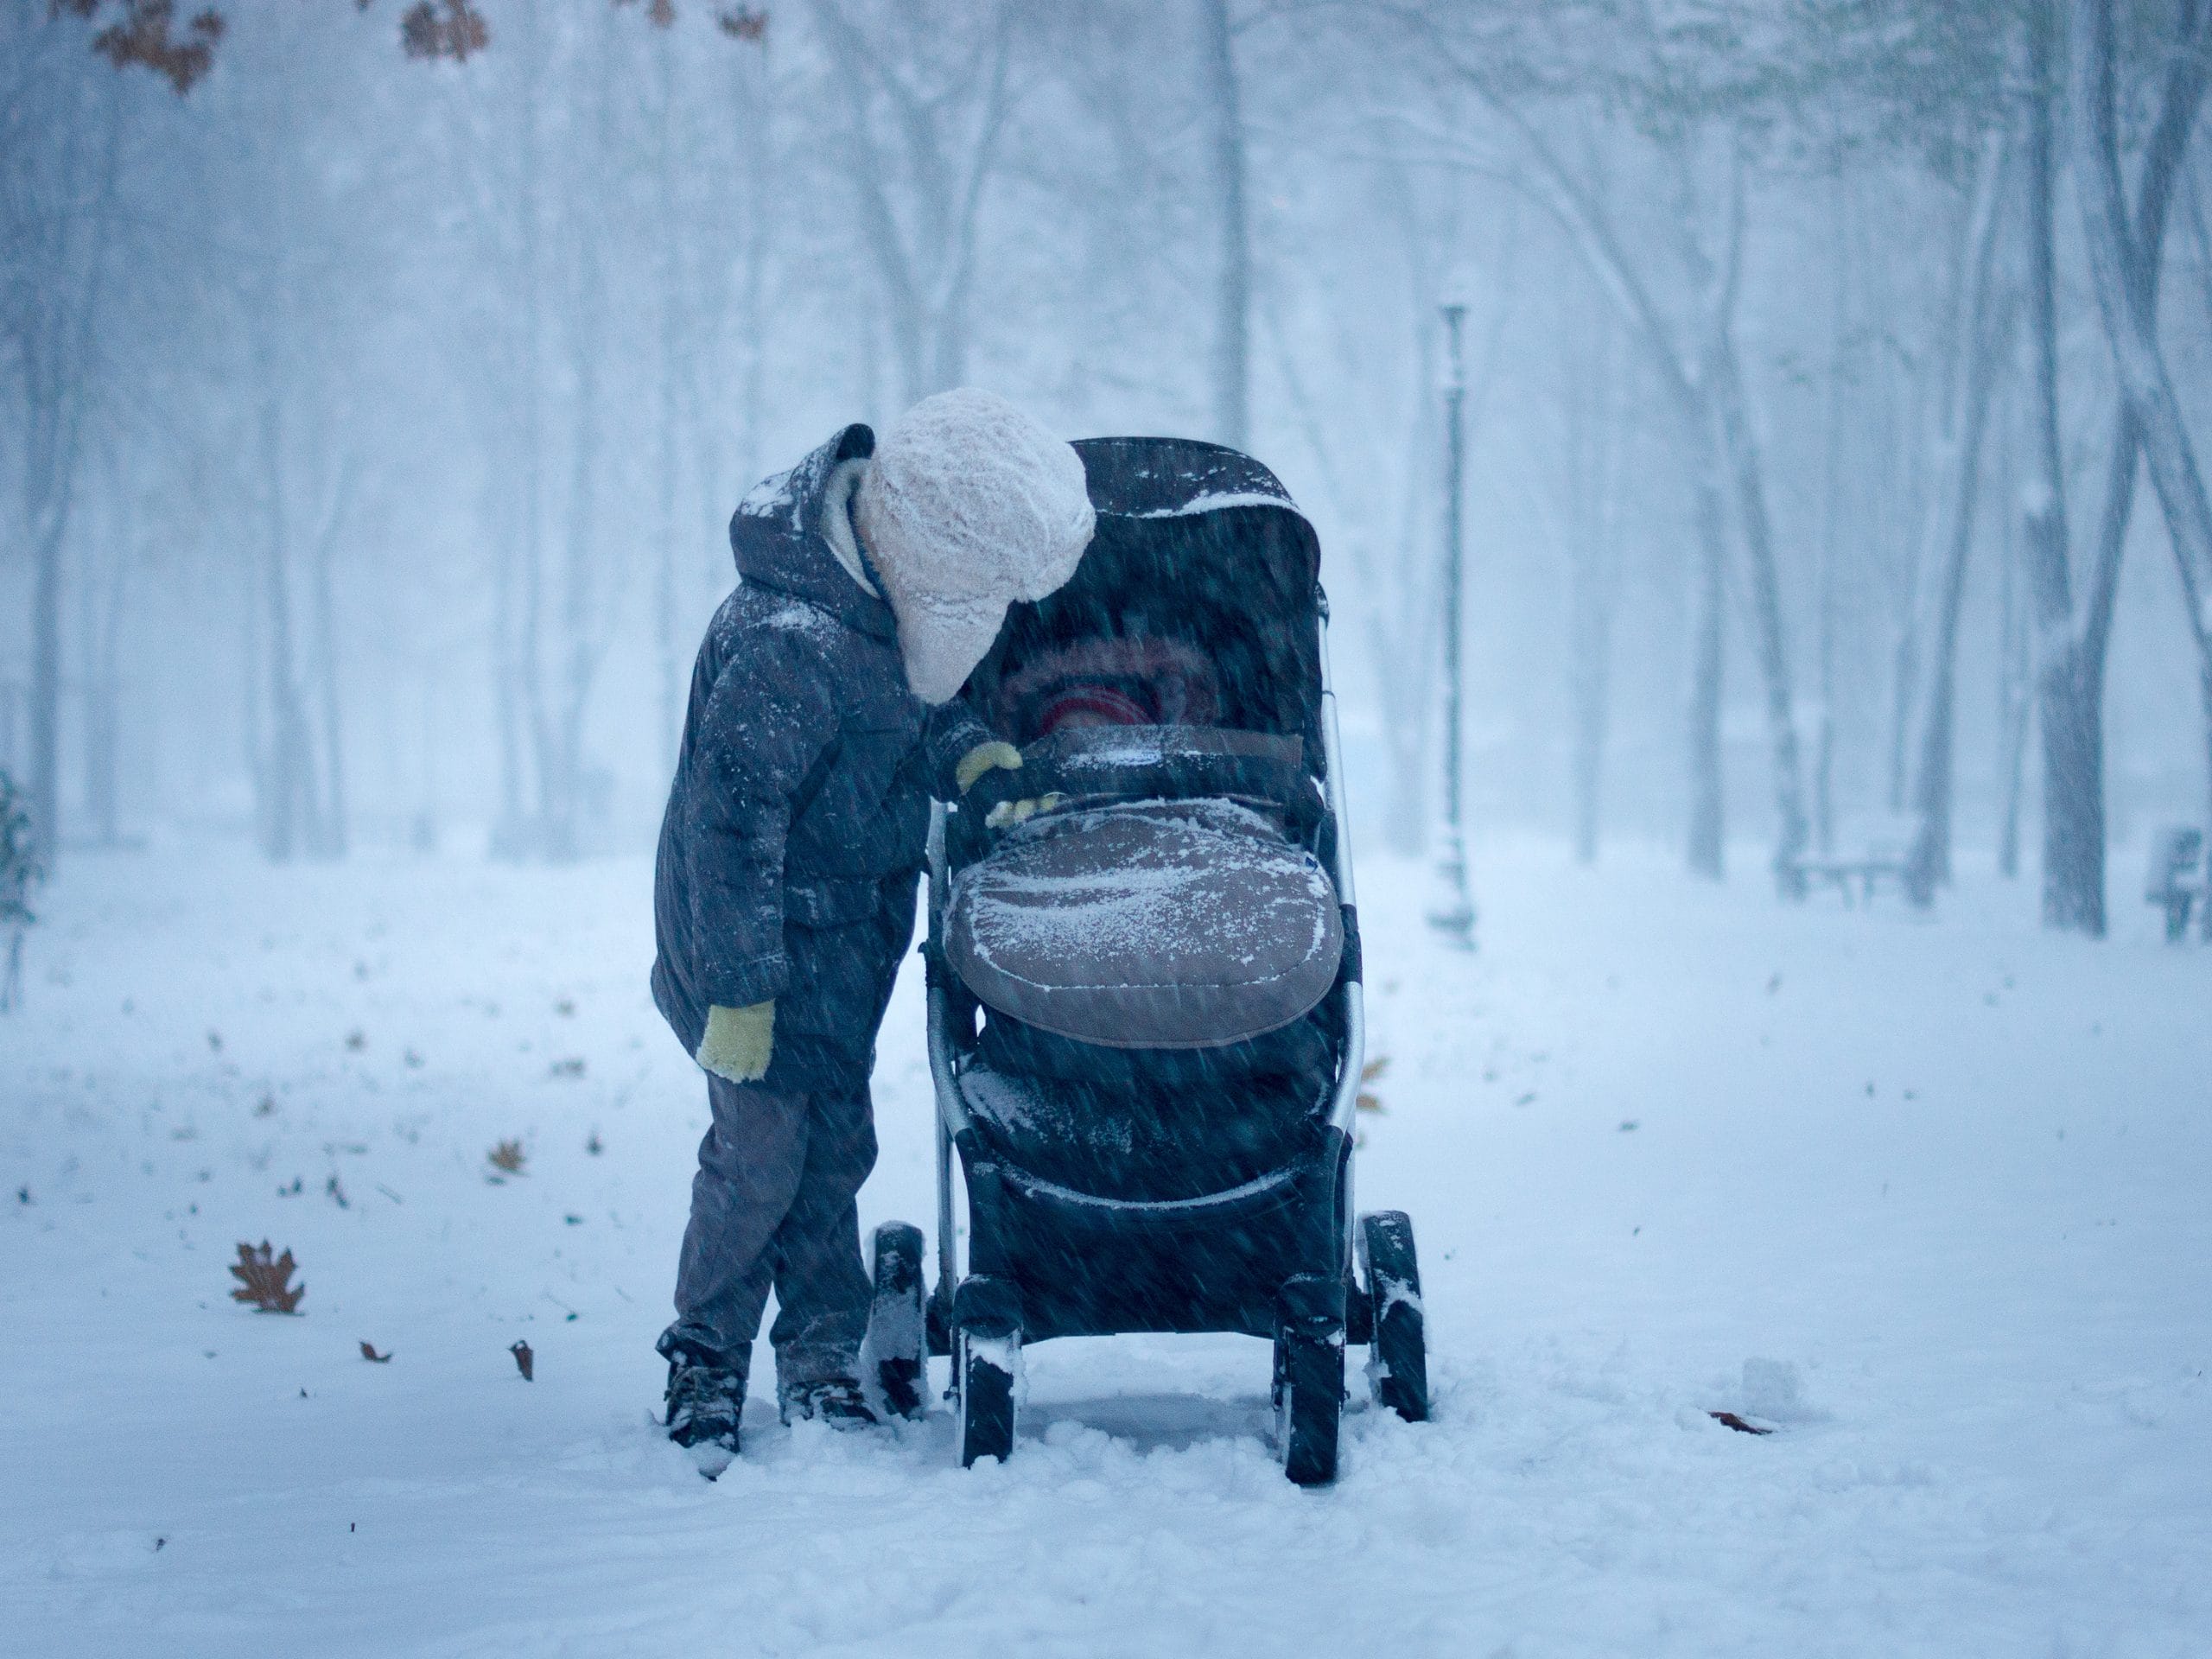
[{"x": 1200, "y": 557}]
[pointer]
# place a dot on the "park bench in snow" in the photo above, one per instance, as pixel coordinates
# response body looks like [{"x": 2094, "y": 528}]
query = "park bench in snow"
[
  {"x": 2173, "y": 883},
  {"x": 1870, "y": 849}
]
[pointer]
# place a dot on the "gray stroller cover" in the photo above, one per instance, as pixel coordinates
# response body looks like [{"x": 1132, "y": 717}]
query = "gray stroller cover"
[{"x": 1148, "y": 924}]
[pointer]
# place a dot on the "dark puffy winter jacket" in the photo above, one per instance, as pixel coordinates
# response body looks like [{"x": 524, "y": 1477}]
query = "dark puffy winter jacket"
[{"x": 800, "y": 816}]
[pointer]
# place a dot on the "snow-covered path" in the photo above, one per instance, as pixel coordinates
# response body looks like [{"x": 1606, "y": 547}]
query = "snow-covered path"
[{"x": 1935, "y": 1199}]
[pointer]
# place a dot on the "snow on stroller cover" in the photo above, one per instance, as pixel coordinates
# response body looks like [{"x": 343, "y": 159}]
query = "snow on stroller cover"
[{"x": 1144, "y": 1001}]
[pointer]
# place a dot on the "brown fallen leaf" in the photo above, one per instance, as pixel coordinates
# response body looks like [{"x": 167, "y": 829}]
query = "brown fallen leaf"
[
  {"x": 1368, "y": 1101},
  {"x": 369, "y": 1352},
  {"x": 525, "y": 1360},
  {"x": 1730, "y": 1420},
  {"x": 264, "y": 1282},
  {"x": 508, "y": 1157}
]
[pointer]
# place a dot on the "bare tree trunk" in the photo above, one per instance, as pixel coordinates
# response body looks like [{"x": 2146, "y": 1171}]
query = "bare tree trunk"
[
  {"x": 1842, "y": 359},
  {"x": 1708, "y": 843},
  {"x": 561, "y": 760},
  {"x": 1904, "y": 679},
  {"x": 59, "y": 361},
  {"x": 561, "y": 768},
  {"x": 517, "y": 587},
  {"x": 1233, "y": 289},
  {"x": 928, "y": 270},
  {"x": 1982, "y": 328},
  {"x": 1582, "y": 214},
  {"x": 1391, "y": 623},
  {"x": 2015, "y": 671},
  {"x": 253, "y": 717},
  {"x": 2072, "y": 718},
  {"x": 289, "y": 820},
  {"x": 668, "y": 647},
  {"x": 2123, "y": 264},
  {"x": 1596, "y": 420},
  {"x": 1394, "y": 566},
  {"x": 332, "y": 840},
  {"x": 103, "y": 694},
  {"x": 1769, "y": 632},
  {"x": 51, "y": 517}
]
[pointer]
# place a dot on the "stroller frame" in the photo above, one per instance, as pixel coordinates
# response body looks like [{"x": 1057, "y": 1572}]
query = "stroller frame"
[{"x": 1281, "y": 1255}]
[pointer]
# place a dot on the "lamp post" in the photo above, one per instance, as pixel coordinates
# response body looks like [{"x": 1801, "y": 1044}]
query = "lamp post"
[{"x": 1454, "y": 913}]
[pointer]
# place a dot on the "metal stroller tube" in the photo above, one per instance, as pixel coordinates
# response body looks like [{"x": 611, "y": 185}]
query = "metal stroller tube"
[
  {"x": 951, "y": 1114},
  {"x": 1345, "y": 1110}
]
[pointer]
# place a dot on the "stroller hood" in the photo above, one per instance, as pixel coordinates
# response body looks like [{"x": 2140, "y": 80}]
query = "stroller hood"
[{"x": 1198, "y": 551}]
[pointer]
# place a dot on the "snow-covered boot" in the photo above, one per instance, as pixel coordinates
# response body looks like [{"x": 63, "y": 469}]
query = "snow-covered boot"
[
  {"x": 838, "y": 1401},
  {"x": 705, "y": 1402}
]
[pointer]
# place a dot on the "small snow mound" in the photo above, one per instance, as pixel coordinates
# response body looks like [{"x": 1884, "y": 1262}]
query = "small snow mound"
[{"x": 1774, "y": 1389}]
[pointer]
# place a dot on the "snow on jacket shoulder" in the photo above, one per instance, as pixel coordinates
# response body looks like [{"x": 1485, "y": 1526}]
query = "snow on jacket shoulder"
[{"x": 800, "y": 805}]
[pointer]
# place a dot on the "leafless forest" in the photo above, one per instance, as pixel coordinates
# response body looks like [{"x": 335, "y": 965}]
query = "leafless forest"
[{"x": 375, "y": 385}]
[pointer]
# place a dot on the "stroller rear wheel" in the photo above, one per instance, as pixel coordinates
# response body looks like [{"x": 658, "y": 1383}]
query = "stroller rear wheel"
[
  {"x": 1309, "y": 1396},
  {"x": 1397, "y": 1367}
]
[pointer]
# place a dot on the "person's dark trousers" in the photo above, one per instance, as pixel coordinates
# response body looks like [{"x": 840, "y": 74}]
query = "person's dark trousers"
[{"x": 772, "y": 1203}]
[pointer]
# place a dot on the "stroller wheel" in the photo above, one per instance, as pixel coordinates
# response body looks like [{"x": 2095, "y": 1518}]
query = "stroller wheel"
[
  {"x": 984, "y": 1369},
  {"x": 1309, "y": 1395},
  {"x": 1397, "y": 1357},
  {"x": 896, "y": 1329}
]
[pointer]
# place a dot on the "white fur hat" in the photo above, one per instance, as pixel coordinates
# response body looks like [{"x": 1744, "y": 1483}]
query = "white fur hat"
[{"x": 968, "y": 506}]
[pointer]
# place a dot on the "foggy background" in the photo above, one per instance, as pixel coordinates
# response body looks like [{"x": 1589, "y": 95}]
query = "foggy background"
[{"x": 378, "y": 384}]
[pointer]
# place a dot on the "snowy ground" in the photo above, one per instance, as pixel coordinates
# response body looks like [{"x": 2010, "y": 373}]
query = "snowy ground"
[{"x": 1934, "y": 1199}]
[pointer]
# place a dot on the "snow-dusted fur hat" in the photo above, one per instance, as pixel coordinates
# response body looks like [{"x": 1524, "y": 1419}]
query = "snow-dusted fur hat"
[{"x": 968, "y": 506}]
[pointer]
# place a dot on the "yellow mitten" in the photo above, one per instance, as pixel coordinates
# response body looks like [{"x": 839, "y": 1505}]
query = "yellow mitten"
[
  {"x": 1007, "y": 813},
  {"x": 980, "y": 758},
  {"x": 738, "y": 1042}
]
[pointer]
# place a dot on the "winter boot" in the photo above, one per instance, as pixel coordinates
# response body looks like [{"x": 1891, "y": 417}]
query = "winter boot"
[
  {"x": 706, "y": 1398},
  {"x": 838, "y": 1401}
]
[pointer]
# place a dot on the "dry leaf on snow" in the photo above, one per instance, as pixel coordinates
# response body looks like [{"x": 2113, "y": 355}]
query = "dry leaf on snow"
[
  {"x": 265, "y": 1282},
  {"x": 1730, "y": 1420}
]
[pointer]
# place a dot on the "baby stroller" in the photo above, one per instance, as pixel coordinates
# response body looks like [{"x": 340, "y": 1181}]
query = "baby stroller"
[{"x": 1145, "y": 1028}]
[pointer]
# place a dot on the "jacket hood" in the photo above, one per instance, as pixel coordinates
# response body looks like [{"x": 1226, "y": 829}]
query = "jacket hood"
[{"x": 776, "y": 537}]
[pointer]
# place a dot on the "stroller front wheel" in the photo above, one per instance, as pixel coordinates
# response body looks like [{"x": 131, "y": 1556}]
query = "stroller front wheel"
[
  {"x": 1309, "y": 1396},
  {"x": 983, "y": 1373}
]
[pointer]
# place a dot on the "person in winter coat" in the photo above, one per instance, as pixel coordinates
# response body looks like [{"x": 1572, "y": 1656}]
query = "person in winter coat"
[{"x": 824, "y": 713}]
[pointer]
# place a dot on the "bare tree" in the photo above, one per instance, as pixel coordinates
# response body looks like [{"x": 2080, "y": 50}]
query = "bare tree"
[
  {"x": 1978, "y": 334},
  {"x": 1233, "y": 282},
  {"x": 62, "y": 160},
  {"x": 2124, "y": 260},
  {"x": 2069, "y": 669},
  {"x": 927, "y": 91},
  {"x": 1596, "y": 437},
  {"x": 1702, "y": 387}
]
